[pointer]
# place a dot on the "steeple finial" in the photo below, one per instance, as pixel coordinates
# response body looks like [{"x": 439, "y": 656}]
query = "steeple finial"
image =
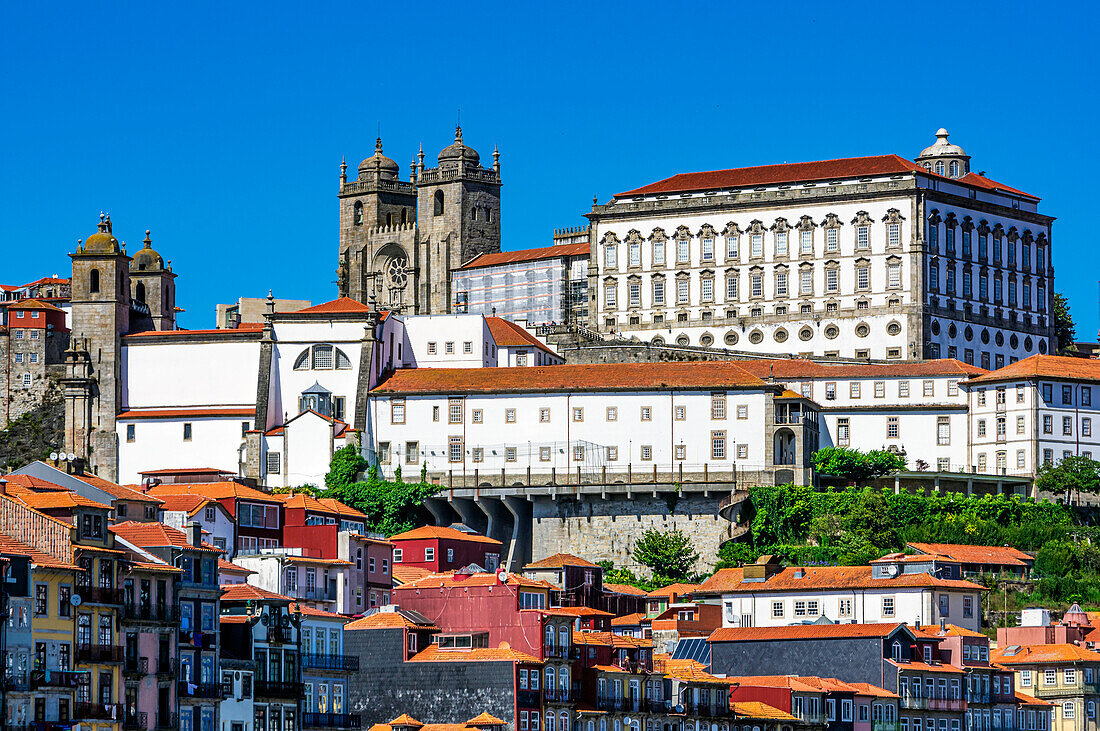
[
  {"x": 458, "y": 133},
  {"x": 148, "y": 241},
  {"x": 102, "y": 222},
  {"x": 343, "y": 169},
  {"x": 378, "y": 144},
  {"x": 496, "y": 160}
]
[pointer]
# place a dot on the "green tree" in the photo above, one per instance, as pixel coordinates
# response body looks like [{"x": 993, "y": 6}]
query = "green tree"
[
  {"x": 345, "y": 466},
  {"x": 1064, "y": 329},
  {"x": 870, "y": 521},
  {"x": 855, "y": 465},
  {"x": 1070, "y": 475},
  {"x": 668, "y": 554}
]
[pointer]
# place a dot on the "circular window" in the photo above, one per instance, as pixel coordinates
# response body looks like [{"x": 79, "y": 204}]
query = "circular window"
[
  {"x": 863, "y": 330},
  {"x": 952, "y": 331},
  {"x": 893, "y": 328},
  {"x": 935, "y": 327},
  {"x": 682, "y": 340},
  {"x": 832, "y": 331},
  {"x": 806, "y": 333},
  {"x": 1014, "y": 341},
  {"x": 1027, "y": 343},
  {"x": 968, "y": 333},
  {"x": 756, "y": 337},
  {"x": 731, "y": 338},
  {"x": 999, "y": 338},
  {"x": 780, "y": 335},
  {"x": 1043, "y": 346},
  {"x": 985, "y": 336},
  {"x": 658, "y": 340},
  {"x": 706, "y": 339}
]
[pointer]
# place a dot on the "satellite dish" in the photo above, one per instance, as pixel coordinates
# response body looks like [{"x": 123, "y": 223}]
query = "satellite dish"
[
  {"x": 53, "y": 456},
  {"x": 628, "y": 720},
  {"x": 892, "y": 569},
  {"x": 61, "y": 456},
  {"x": 679, "y": 708},
  {"x": 502, "y": 576},
  {"x": 71, "y": 456},
  {"x": 75, "y": 600}
]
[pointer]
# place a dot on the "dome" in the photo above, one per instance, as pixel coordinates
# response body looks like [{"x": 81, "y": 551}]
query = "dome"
[
  {"x": 457, "y": 151},
  {"x": 147, "y": 259},
  {"x": 942, "y": 148},
  {"x": 102, "y": 241},
  {"x": 379, "y": 162}
]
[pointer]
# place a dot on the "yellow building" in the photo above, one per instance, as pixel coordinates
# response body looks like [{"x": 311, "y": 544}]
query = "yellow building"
[{"x": 1067, "y": 676}]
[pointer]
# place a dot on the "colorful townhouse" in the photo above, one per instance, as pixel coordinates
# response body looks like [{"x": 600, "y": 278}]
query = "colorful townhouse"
[
  {"x": 325, "y": 670},
  {"x": 1066, "y": 676}
]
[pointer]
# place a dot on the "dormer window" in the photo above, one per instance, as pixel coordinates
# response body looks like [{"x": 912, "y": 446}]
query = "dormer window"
[{"x": 316, "y": 398}]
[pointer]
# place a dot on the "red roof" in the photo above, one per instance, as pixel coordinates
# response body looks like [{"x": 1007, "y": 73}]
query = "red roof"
[
  {"x": 571, "y": 378},
  {"x": 432, "y": 653},
  {"x": 214, "y": 491},
  {"x": 118, "y": 492},
  {"x": 1003, "y": 555},
  {"x": 507, "y": 334},
  {"x": 624, "y": 589},
  {"x": 157, "y": 534},
  {"x": 181, "y": 413},
  {"x": 336, "y": 306},
  {"x": 795, "y": 369},
  {"x": 668, "y": 591},
  {"x": 249, "y": 327},
  {"x": 439, "y": 531},
  {"x": 560, "y": 560},
  {"x": 1045, "y": 366},
  {"x": 32, "y": 304},
  {"x": 983, "y": 182},
  {"x": 515, "y": 257},
  {"x": 802, "y": 632},
  {"x": 244, "y": 592},
  {"x": 826, "y": 577},
  {"x": 187, "y": 471},
  {"x": 11, "y": 546}
]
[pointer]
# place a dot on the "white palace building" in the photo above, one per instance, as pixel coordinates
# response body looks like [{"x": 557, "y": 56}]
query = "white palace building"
[{"x": 870, "y": 257}]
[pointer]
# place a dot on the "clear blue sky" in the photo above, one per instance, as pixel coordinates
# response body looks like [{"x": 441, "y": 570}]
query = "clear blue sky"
[{"x": 221, "y": 126}]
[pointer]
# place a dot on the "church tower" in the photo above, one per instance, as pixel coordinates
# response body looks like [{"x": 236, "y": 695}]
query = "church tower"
[
  {"x": 458, "y": 215},
  {"x": 152, "y": 291},
  {"x": 100, "y": 317}
]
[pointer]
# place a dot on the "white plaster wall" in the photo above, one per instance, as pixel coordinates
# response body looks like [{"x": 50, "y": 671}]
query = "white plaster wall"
[
  {"x": 159, "y": 444},
  {"x": 457, "y": 329},
  {"x": 173, "y": 375}
]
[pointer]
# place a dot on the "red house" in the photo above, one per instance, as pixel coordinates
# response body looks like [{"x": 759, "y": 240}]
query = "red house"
[
  {"x": 439, "y": 549},
  {"x": 258, "y": 515},
  {"x": 36, "y": 315}
]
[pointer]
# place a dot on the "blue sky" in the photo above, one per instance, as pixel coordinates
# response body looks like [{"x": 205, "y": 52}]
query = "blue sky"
[{"x": 221, "y": 126}]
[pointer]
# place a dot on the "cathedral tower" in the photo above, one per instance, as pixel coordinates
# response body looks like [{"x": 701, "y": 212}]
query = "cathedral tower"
[
  {"x": 458, "y": 214},
  {"x": 153, "y": 290},
  {"x": 100, "y": 316}
]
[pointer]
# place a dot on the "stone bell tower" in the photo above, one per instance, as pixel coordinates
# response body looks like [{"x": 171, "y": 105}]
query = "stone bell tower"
[
  {"x": 100, "y": 317},
  {"x": 153, "y": 290}
]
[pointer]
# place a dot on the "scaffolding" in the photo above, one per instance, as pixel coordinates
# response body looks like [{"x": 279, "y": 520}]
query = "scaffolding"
[{"x": 535, "y": 291}]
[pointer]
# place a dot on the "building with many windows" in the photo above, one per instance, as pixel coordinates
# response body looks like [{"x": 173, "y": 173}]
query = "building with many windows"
[
  {"x": 1067, "y": 676},
  {"x": 876, "y": 257}
]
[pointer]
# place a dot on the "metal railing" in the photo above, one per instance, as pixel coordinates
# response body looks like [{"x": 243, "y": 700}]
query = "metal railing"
[
  {"x": 329, "y": 720},
  {"x": 150, "y": 613},
  {"x": 345, "y": 663},
  {"x": 99, "y": 595},
  {"x": 277, "y": 689},
  {"x": 99, "y": 711},
  {"x": 98, "y": 653},
  {"x": 278, "y": 634},
  {"x": 202, "y": 690},
  {"x": 16, "y": 682},
  {"x": 136, "y": 666},
  {"x": 138, "y": 720},
  {"x": 55, "y": 678},
  {"x": 316, "y": 593}
]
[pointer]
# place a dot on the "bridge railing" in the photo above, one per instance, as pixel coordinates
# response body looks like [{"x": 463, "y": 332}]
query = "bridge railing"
[{"x": 729, "y": 476}]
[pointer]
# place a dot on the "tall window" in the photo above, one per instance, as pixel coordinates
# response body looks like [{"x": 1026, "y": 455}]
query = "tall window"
[
  {"x": 893, "y": 234},
  {"x": 634, "y": 252},
  {"x": 437, "y": 203},
  {"x": 683, "y": 251},
  {"x": 781, "y": 243},
  {"x": 757, "y": 246},
  {"x": 682, "y": 291},
  {"x": 718, "y": 445},
  {"x": 609, "y": 252},
  {"x": 93, "y": 280},
  {"x": 806, "y": 239},
  {"x": 863, "y": 237},
  {"x": 455, "y": 449},
  {"x": 707, "y": 246},
  {"x": 732, "y": 247},
  {"x": 832, "y": 239}
]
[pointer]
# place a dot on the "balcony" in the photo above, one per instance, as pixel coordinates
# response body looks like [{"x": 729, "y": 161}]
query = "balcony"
[
  {"x": 915, "y": 703},
  {"x": 201, "y": 690},
  {"x": 330, "y": 720},
  {"x": 343, "y": 663},
  {"x": 99, "y": 595},
  {"x": 98, "y": 653},
  {"x": 611, "y": 704},
  {"x": 199, "y": 639},
  {"x": 884, "y": 726},
  {"x": 16, "y": 682},
  {"x": 136, "y": 721},
  {"x": 166, "y": 722},
  {"x": 557, "y": 695},
  {"x": 136, "y": 666},
  {"x": 166, "y": 666},
  {"x": 657, "y": 706},
  {"x": 278, "y": 689},
  {"x": 157, "y": 614},
  {"x": 315, "y": 593},
  {"x": 556, "y": 651},
  {"x": 97, "y": 711},
  {"x": 278, "y": 634},
  {"x": 528, "y": 698},
  {"x": 54, "y": 678},
  {"x": 945, "y": 704}
]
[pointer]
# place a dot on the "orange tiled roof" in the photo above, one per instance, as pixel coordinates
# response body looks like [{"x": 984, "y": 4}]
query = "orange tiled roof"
[
  {"x": 826, "y": 577},
  {"x": 244, "y": 327},
  {"x": 53, "y": 500},
  {"x": 232, "y": 568},
  {"x": 668, "y": 591},
  {"x": 432, "y": 653},
  {"x": 405, "y": 574},
  {"x": 628, "y": 620},
  {"x": 560, "y": 560},
  {"x": 158, "y": 534},
  {"x": 573, "y": 612},
  {"x": 1031, "y": 654},
  {"x": 609, "y": 639},
  {"x": 691, "y": 671},
  {"x": 485, "y": 719},
  {"x": 1045, "y": 366},
  {"x": 450, "y": 579},
  {"x": 756, "y": 709},
  {"x": 312, "y": 612},
  {"x": 391, "y": 620},
  {"x": 802, "y": 632},
  {"x": 244, "y": 592},
  {"x": 624, "y": 589},
  {"x": 337, "y": 306},
  {"x": 508, "y": 334},
  {"x": 515, "y": 257},
  {"x": 311, "y": 559},
  {"x": 338, "y": 507},
  {"x": 180, "y": 413},
  {"x": 33, "y": 304},
  {"x": 215, "y": 491},
  {"x": 32, "y": 483},
  {"x": 189, "y": 504},
  {"x": 793, "y": 369},
  {"x": 926, "y": 667},
  {"x": 1030, "y": 700},
  {"x": 1004, "y": 555},
  {"x": 951, "y": 630},
  {"x": 119, "y": 492},
  {"x": 439, "y": 531},
  {"x": 571, "y": 378},
  {"x": 11, "y": 546}
]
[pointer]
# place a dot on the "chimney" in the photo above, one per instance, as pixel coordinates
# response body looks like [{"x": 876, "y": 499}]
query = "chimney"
[
  {"x": 194, "y": 534},
  {"x": 3, "y": 486},
  {"x": 943, "y": 624}
]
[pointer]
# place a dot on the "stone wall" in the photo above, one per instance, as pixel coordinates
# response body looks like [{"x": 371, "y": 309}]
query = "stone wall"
[
  {"x": 431, "y": 692},
  {"x": 605, "y": 529}
]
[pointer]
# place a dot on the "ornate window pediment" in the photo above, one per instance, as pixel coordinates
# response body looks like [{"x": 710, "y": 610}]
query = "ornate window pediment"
[
  {"x": 633, "y": 278},
  {"x": 862, "y": 218},
  {"x": 757, "y": 269},
  {"x": 658, "y": 235},
  {"x": 756, "y": 227},
  {"x": 833, "y": 264},
  {"x": 893, "y": 216},
  {"x": 983, "y": 227},
  {"x": 707, "y": 232},
  {"x": 655, "y": 276},
  {"x": 780, "y": 225},
  {"x": 934, "y": 217},
  {"x": 733, "y": 270},
  {"x": 951, "y": 221},
  {"x": 683, "y": 275},
  {"x": 634, "y": 236},
  {"x": 731, "y": 229},
  {"x": 863, "y": 262},
  {"x": 781, "y": 267},
  {"x": 806, "y": 266},
  {"x": 1028, "y": 238},
  {"x": 998, "y": 231},
  {"x": 1013, "y": 234},
  {"x": 832, "y": 221},
  {"x": 892, "y": 259},
  {"x": 610, "y": 280},
  {"x": 1042, "y": 239},
  {"x": 609, "y": 238},
  {"x": 706, "y": 273},
  {"x": 806, "y": 223},
  {"x": 682, "y": 232},
  {"x": 968, "y": 223}
]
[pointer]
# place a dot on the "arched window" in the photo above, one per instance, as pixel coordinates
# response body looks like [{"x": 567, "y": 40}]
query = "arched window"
[
  {"x": 551, "y": 682},
  {"x": 549, "y": 638},
  {"x": 322, "y": 357},
  {"x": 343, "y": 363},
  {"x": 139, "y": 292},
  {"x": 550, "y": 726},
  {"x": 939, "y": 168},
  {"x": 358, "y": 213},
  {"x": 301, "y": 363},
  {"x": 563, "y": 637},
  {"x": 955, "y": 169},
  {"x": 437, "y": 209},
  {"x": 563, "y": 682},
  {"x": 895, "y": 651},
  {"x": 93, "y": 280},
  {"x": 563, "y": 721}
]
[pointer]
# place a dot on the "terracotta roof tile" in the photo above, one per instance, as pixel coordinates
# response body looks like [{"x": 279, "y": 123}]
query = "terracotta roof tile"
[
  {"x": 611, "y": 639},
  {"x": 507, "y": 334},
  {"x": 338, "y": 507},
  {"x": 189, "y": 504},
  {"x": 215, "y": 491},
  {"x": 53, "y": 499},
  {"x": 11, "y": 546},
  {"x": 668, "y": 591},
  {"x": 33, "y": 304},
  {"x": 1038, "y": 654},
  {"x": 119, "y": 492},
  {"x": 1004, "y": 555},
  {"x": 450, "y": 579},
  {"x": 802, "y": 632},
  {"x": 244, "y": 592},
  {"x": 756, "y": 709},
  {"x": 797, "y": 369},
  {"x": 926, "y": 667},
  {"x": 386, "y": 619},
  {"x": 984, "y": 182},
  {"x": 241, "y": 412},
  {"x": 485, "y": 719},
  {"x": 158, "y": 534},
  {"x": 951, "y": 630},
  {"x": 1030, "y": 700},
  {"x": 624, "y": 589},
  {"x": 313, "y": 612},
  {"x": 432, "y": 653},
  {"x": 245, "y": 327},
  {"x": 691, "y": 671},
  {"x": 628, "y": 620},
  {"x": 232, "y": 568},
  {"x": 1045, "y": 366},
  {"x": 522, "y": 255},
  {"x": 405, "y": 574},
  {"x": 340, "y": 305},
  {"x": 560, "y": 560},
  {"x": 571, "y": 378},
  {"x": 439, "y": 531},
  {"x": 826, "y": 577},
  {"x": 572, "y": 612}
]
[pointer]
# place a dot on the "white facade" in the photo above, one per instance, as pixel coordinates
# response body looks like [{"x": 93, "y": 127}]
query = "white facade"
[
  {"x": 450, "y": 341},
  {"x": 319, "y": 583},
  {"x": 214, "y": 519}
]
